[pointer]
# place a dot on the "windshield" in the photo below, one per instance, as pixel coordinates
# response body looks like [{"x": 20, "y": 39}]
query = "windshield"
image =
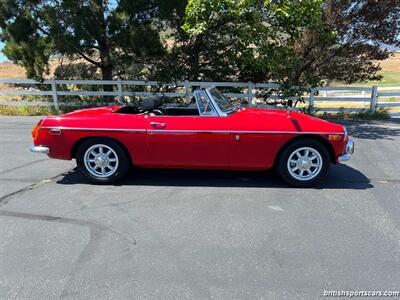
[{"x": 223, "y": 103}]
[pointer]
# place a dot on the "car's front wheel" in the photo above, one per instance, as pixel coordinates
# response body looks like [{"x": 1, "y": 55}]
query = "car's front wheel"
[
  {"x": 303, "y": 163},
  {"x": 102, "y": 160}
]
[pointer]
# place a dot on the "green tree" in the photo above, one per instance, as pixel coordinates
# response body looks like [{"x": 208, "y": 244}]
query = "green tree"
[
  {"x": 294, "y": 43},
  {"x": 360, "y": 27},
  {"x": 251, "y": 39},
  {"x": 112, "y": 36}
]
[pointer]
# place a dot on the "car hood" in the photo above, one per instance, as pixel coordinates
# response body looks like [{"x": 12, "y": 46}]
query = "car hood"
[{"x": 284, "y": 120}]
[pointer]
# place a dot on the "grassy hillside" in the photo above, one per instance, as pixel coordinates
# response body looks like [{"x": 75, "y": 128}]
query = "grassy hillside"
[
  {"x": 390, "y": 72},
  {"x": 389, "y": 79}
]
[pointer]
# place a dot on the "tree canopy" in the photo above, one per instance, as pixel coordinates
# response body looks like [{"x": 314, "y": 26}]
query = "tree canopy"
[
  {"x": 301, "y": 42},
  {"x": 294, "y": 42},
  {"x": 110, "y": 35}
]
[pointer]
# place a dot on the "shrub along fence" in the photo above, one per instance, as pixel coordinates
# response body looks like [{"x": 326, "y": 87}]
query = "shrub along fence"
[{"x": 339, "y": 97}]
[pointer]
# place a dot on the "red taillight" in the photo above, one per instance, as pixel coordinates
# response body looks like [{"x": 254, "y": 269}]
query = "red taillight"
[{"x": 36, "y": 129}]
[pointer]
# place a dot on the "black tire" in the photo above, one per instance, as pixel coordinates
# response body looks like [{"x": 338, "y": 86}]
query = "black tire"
[
  {"x": 114, "y": 171},
  {"x": 293, "y": 177}
]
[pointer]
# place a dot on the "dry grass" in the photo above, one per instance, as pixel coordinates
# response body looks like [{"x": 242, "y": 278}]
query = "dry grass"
[
  {"x": 11, "y": 70},
  {"x": 392, "y": 64}
]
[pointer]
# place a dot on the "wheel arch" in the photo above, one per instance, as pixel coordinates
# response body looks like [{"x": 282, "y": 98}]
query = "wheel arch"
[
  {"x": 316, "y": 137},
  {"x": 79, "y": 142}
]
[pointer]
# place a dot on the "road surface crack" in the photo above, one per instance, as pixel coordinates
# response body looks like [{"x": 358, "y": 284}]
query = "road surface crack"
[
  {"x": 6, "y": 198},
  {"x": 96, "y": 234}
]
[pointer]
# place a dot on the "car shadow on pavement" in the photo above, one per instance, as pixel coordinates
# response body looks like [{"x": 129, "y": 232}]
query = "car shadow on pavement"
[
  {"x": 338, "y": 177},
  {"x": 372, "y": 130}
]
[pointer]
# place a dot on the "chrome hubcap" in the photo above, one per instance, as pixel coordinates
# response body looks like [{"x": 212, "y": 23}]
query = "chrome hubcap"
[
  {"x": 305, "y": 163},
  {"x": 101, "y": 160}
]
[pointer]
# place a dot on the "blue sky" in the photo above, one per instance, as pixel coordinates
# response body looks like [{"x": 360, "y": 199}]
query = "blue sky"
[{"x": 2, "y": 57}]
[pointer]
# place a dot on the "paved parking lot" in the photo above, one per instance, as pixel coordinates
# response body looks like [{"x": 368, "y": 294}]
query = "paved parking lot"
[{"x": 182, "y": 234}]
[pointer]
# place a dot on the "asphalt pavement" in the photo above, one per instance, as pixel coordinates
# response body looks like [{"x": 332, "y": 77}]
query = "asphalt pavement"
[{"x": 187, "y": 234}]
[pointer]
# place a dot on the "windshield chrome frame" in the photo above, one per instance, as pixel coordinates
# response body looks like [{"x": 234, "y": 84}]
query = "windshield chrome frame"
[
  {"x": 207, "y": 92},
  {"x": 216, "y": 106},
  {"x": 216, "y": 110}
]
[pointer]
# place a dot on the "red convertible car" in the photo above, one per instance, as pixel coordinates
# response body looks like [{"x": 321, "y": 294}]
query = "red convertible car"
[{"x": 209, "y": 133}]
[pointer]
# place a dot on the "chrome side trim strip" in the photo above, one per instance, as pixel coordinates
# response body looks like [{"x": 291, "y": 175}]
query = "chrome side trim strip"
[
  {"x": 285, "y": 132},
  {"x": 191, "y": 131},
  {"x": 239, "y": 132},
  {"x": 94, "y": 129}
]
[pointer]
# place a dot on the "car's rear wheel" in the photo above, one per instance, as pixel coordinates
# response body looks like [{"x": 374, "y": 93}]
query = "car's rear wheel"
[
  {"x": 303, "y": 163},
  {"x": 102, "y": 160}
]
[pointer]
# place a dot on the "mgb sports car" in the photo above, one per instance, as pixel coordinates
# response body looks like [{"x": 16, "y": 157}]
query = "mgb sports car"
[{"x": 208, "y": 132}]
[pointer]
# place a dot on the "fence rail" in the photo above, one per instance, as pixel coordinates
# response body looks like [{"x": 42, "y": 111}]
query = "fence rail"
[{"x": 251, "y": 91}]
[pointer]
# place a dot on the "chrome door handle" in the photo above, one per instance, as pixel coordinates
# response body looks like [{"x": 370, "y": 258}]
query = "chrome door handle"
[{"x": 158, "y": 124}]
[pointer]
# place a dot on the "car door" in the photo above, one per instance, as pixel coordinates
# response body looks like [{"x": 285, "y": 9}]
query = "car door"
[
  {"x": 190, "y": 141},
  {"x": 256, "y": 138}
]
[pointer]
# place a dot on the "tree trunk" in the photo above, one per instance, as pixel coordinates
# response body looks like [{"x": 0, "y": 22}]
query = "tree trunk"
[
  {"x": 195, "y": 62},
  {"x": 106, "y": 74},
  {"x": 104, "y": 49}
]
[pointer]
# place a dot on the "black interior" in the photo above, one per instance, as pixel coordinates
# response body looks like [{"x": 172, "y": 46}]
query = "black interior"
[
  {"x": 128, "y": 110},
  {"x": 181, "y": 111},
  {"x": 156, "y": 106},
  {"x": 151, "y": 103}
]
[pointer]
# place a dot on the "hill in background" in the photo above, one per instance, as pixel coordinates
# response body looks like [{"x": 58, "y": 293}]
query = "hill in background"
[{"x": 390, "y": 71}]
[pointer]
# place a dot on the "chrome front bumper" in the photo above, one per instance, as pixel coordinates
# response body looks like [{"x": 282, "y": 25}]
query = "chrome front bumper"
[
  {"x": 40, "y": 149},
  {"x": 348, "y": 152}
]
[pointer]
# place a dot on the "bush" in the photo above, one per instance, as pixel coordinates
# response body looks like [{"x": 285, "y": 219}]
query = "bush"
[
  {"x": 6, "y": 110},
  {"x": 24, "y": 110},
  {"x": 381, "y": 113}
]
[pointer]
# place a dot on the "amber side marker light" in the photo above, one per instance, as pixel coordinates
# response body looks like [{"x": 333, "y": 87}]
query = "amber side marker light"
[
  {"x": 36, "y": 129},
  {"x": 335, "y": 137}
]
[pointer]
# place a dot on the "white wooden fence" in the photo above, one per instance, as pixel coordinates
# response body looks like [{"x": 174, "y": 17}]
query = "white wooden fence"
[{"x": 373, "y": 96}]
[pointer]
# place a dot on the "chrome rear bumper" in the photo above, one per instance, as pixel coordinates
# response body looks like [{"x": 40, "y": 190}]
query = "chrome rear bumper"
[
  {"x": 348, "y": 152},
  {"x": 40, "y": 149}
]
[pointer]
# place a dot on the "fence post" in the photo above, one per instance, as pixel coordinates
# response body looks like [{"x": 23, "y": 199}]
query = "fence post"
[
  {"x": 312, "y": 94},
  {"x": 119, "y": 86},
  {"x": 54, "y": 94},
  {"x": 250, "y": 93},
  {"x": 187, "y": 91},
  {"x": 374, "y": 98}
]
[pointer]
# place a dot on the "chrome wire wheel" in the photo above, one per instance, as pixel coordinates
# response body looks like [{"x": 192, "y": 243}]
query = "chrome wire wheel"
[
  {"x": 101, "y": 160},
  {"x": 304, "y": 163}
]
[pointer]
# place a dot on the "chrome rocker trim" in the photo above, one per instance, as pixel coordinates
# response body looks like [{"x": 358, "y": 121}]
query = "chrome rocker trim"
[
  {"x": 40, "y": 149},
  {"x": 188, "y": 131},
  {"x": 348, "y": 152}
]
